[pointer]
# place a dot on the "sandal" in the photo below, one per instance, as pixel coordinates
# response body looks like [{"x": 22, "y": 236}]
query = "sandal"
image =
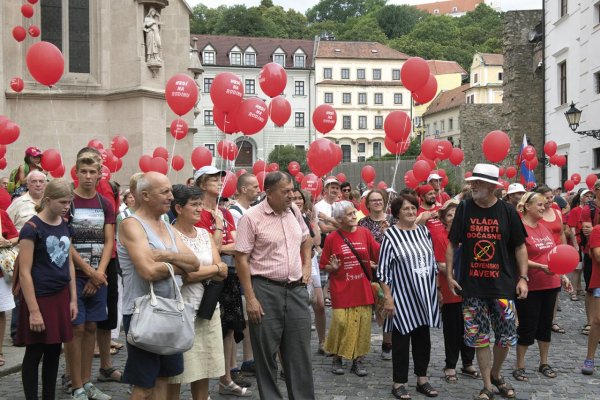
[
  {"x": 2, "y": 362},
  {"x": 113, "y": 352},
  {"x": 427, "y": 390},
  {"x": 556, "y": 328},
  {"x": 586, "y": 330},
  {"x": 505, "y": 389},
  {"x": 401, "y": 393},
  {"x": 233, "y": 390},
  {"x": 574, "y": 297},
  {"x": 116, "y": 345},
  {"x": 472, "y": 373},
  {"x": 450, "y": 378},
  {"x": 484, "y": 392},
  {"x": 519, "y": 375},
  {"x": 108, "y": 375},
  {"x": 547, "y": 371}
]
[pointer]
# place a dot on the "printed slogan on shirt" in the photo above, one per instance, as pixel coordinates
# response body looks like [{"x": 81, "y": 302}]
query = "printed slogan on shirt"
[{"x": 486, "y": 234}]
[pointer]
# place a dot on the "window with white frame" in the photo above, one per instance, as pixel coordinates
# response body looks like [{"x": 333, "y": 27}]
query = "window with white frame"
[
  {"x": 442, "y": 126},
  {"x": 299, "y": 120},
  {"x": 562, "y": 82},
  {"x": 564, "y": 9},
  {"x": 279, "y": 58},
  {"x": 378, "y": 98},
  {"x": 345, "y": 73},
  {"x": 362, "y": 122},
  {"x": 235, "y": 58},
  {"x": 327, "y": 73},
  {"x": 596, "y": 14},
  {"x": 379, "y": 122},
  {"x": 395, "y": 74},
  {"x": 250, "y": 59},
  {"x": 299, "y": 60},
  {"x": 346, "y": 98},
  {"x": 208, "y": 57},
  {"x": 362, "y": 98},
  {"x": 210, "y": 147},
  {"x": 361, "y": 147},
  {"x": 328, "y": 98},
  {"x": 250, "y": 86},
  {"x": 360, "y": 73},
  {"x": 397, "y": 98},
  {"x": 208, "y": 118},
  {"x": 207, "y": 84},
  {"x": 376, "y": 149},
  {"x": 346, "y": 122},
  {"x": 376, "y": 74},
  {"x": 450, "y": 124},
  {"x": 475, "y": 78},
  {"x": 299, "y": 88}
]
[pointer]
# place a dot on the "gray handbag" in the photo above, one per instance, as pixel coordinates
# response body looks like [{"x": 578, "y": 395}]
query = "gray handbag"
[{"x": 160, "y": 325}]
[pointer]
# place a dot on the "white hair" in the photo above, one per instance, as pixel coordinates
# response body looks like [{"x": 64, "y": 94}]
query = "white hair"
[
  {"x": 339, "y": 208},
  {"x": 33, "y": 173}
]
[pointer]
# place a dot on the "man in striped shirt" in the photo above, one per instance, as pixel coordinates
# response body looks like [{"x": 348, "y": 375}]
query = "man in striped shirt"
[{"x": 273, "y": 261}]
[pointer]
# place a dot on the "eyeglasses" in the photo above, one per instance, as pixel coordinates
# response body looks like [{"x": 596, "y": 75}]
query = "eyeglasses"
[
  {"x": 375, "y": 201},
  {"x": 346, "y": 190}
]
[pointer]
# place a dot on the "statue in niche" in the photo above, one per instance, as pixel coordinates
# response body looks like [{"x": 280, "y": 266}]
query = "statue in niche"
[{"x": 153, "y": 44}]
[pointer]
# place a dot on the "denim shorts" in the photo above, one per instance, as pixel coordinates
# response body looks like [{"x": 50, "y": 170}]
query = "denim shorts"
[
  {"x": 596, "y": 293},
  {"x": 92, "y": 308}
]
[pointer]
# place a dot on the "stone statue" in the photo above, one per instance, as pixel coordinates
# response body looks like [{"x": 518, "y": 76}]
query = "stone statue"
[{"x": 152, "y": 30}]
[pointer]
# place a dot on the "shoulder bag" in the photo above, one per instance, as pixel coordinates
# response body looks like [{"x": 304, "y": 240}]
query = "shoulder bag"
[
  {"x": 160, "y": 325},
  {"x": 8, "y": 255}
]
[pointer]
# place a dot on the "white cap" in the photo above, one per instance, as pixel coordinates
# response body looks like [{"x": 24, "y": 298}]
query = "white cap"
[
  {"x": 331, "y": 180},
  {"x": 433, "y": 176},
  {"x": 207, "y": 170},
  {"x": 515, "y": 188}
]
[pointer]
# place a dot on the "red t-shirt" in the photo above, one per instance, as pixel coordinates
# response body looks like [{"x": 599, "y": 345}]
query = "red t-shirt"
[
  {"x": 348, "y": 285},
  {"x": 593, "y": 243},
  {"x": 5, "y": 199},
  {"x": 555, "y": 227},
  {"x": 440, "y": 244},
  {"x": 435, "y": 226},
  {"x": 539, "y": 242},
  {"x": 574, "y": 221},
  {"x": 208, "y": 222},
  {"x": 8, "y": 228}
]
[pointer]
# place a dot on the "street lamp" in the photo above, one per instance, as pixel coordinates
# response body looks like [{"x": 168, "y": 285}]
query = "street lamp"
[{"x": 573, "y": 115}]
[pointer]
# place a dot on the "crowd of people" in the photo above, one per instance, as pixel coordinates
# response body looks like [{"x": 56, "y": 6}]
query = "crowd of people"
[{"x": 260, "y": 271}]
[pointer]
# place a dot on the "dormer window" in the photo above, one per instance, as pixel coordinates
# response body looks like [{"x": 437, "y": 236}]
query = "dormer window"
[
  {"x": 299, "y": 61},
  {"x": 436, "y": 11},
  {"x": 208, "y": 57},
  {"x": 454, "y": 9},
  {"x": 250, "y": 59},
  {"x": 235, "y": 58},
  {"x": 279, "y": 59}
]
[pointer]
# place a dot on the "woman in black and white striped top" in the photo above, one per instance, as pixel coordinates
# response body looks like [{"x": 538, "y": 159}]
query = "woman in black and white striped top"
[{"x": 407, "y": 272}]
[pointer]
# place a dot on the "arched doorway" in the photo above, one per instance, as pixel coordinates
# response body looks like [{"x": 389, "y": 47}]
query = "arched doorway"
[{"x": 245, "y": 153}]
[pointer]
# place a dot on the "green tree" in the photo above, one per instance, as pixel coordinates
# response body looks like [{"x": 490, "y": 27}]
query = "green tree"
[
  {"x": 341, "y": 10},
  {"x": 398, "y": 20},
  {"x": 362, "y": 29},
  {"x": 326, "y": 27},
  {"x": 283, "y": 155},
  {"x": 204, "y": 19},
  {"x": 241, "y": 21}
]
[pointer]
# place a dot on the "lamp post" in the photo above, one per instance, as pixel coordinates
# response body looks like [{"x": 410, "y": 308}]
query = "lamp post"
[{"x": 573, "y": 115}]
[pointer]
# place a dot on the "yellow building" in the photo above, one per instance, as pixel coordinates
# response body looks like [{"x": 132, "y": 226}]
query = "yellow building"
[
  {"x": 449, "y": 75},
  {"x": 441, "y": 118},
  {"x": 486, "y": 79}
]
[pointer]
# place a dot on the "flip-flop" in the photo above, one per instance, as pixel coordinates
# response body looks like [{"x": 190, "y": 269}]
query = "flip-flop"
[
  {"x": 116, "y": 345},
  {"x": 450, "y": 378},
  {"x": 586, "y": 330},
  {"x": 556, "y": 328}
]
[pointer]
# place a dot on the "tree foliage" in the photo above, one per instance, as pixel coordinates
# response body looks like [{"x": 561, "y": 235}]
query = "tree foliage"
[
  {"x": 283, "y": 155},
  {"x": 396, "y": 21},
  {"x": 342, "y": 10}
]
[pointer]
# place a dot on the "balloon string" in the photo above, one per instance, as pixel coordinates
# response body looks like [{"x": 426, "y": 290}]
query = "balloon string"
[
  {"x": 393, "y": 179},
  {"x": 54, "y": 123},
  {"x": 170, "y": 157}
]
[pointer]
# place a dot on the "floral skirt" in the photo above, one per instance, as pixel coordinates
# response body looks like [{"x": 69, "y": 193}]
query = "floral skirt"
[{"x": 350, "y": 332}]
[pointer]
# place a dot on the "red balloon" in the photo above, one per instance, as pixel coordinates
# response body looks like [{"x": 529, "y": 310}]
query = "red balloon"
[
  {"x": 529, "y": 153},
  {"x": 34, "y": 31},
  {"x": 312, "y": 184},
  {"x": 58, "y": 172},
  {"x": 3, "y": 163},
  {"x": 563, "y": 259},
  {"x": 74, "y": 173},
  {"x": 2, "y": 150},
  {"x": 19, "y": 33},
  {"x": 229, "y": 186},
  {"x": 9, "y": 132},
  {"x": 201, "y": 157},
  {"x": 280, "y": 110},
  {"x": 227, "y": 150},
  {"x": 396, "y": 148},
  {"x": 159, "y": 164},
  {"x": 45, "y": 63},
  {"x": 272, "y": 79},
  {"x": 119, "y": 146},
  {"x": 226, "y": 123},
  {"x": 421, "y": 170},
  {"x": 457, "y": 156},
  {"x": 96, "y": 144},
  {"x": 501, "y": 171},
  {"x": 444, "y": 181},
  {"x": 241, "y": 172},
  {"x": 111, "y": 161},
  {"x": 293, "y": 168},
  {"x": 105, "y": 173},
  {"x": 561, "y": 160},
  {"x": 259, "y": 166},
  {"x": 428, "y": 148},
  {"x": 32, "y": 1},
  {"x": 443, "y": 149},
  {"x": 272, "y": 167},
  {"x": 145, "y": 163},
  {"x": 511, "y": 172},
  {"x": 27, "y": 10},
  {"x": 17, "y": 84},
  {"x": 397, "y": 126},
  {"x": 321, "y": 156},
  {"x": 299, "y": 176},
  {"x": 590, "y": 180},
  {"x": 382, "y": 185},
  {"x": 341, "y": 177},
  {"x": 550, "y": 148},
  {"x": 179, "y": 129},
  {"x": 569, "y": 185},
  {"x": 119, "y": 164},
  {"x": 576, "y": 178},
  {"x": 427, "y": 92},
  {"x": 410, "y": 180},
  {"x": 531, "y": 165},
  {"x": 468, "y": 174},
  {"x": 496, "y": 146},
  {"x": 363, "y": 206},
  {"x": 430, "y": 162},
  {"x": 324, "y": 118},
  {"x": 368, "y": 173},
  {"x": 181, "y": 93},
  {"x": 530, "y": 185},
  {"x": 252, "y": 115},
  {"x": 414, "y": 73},
  {"x": 51, "y": 159},
  {"x": 161, "y": 152},
  {"x": 227, "y": 91},
  {"x": 261, "y": 180}
]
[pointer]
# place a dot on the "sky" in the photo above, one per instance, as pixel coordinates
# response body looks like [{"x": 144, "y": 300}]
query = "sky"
[{"x": 306, "y": 4}]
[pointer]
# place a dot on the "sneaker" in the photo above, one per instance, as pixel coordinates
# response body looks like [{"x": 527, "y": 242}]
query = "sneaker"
[
  {"x": 588, "y": 367},
  {"x": 94, "y": 393},
  {"x": 79, "y": 394},
  {"x": 358, "y": 368},
  {"x": 336, "y": 366},
  {"x": 237, "y": 376},
  {"x": 248, "y": 367},
  {"x": 386, "y": 354},
  {"x": 65, "y": 382}
]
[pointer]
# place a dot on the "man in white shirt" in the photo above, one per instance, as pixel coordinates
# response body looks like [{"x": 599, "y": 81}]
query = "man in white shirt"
[
  {"x": 23, "y": 208},
  {"x": 331, "y": 193},
  {"x": 248, "y": 190}
]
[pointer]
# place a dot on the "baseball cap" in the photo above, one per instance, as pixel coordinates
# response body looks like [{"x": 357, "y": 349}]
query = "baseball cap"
[
  {"x": 33, "y": 152},
  {"x": 433, "y": 176},
  {"x": 515, "y": 188},
  {"x": 330, "y": 181},
  {"x": 207, "y": 170}
]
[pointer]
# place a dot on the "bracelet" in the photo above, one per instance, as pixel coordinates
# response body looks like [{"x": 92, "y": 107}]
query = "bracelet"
[{"x": 219, "y": 229}]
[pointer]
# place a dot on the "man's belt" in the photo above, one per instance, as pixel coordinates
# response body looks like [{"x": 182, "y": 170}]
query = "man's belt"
[{"x": 284, "y": 284}]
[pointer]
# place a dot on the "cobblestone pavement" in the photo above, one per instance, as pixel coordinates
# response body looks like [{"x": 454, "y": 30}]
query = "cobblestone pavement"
[{"x": 567, "y": 353}]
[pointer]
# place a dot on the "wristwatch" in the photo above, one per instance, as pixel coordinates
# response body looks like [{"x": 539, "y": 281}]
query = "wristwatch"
[{"x": 525, "y": 277}]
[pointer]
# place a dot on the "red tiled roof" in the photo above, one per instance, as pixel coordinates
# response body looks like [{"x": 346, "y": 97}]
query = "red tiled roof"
[
  {"x": 441, "y": 67},
  {"x": 445, "y": 7},
  {"x": 492, "y": 59},
  {"x": 264, "y": 47},
  {"x": 447, "y": 100},
  {"x": 358, "y": 50}
]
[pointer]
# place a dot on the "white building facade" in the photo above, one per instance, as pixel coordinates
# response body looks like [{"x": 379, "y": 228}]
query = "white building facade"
[
  {"x": 245, "y": 56},
  {"x": 572, "y": 74},
  {"x": 361, "y": 81}
]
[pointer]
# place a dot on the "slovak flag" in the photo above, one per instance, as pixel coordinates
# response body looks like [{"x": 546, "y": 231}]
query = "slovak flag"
[{"x": 526, "y": 175}]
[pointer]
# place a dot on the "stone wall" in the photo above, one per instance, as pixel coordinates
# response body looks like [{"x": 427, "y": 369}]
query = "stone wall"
[{"x": 475, "y": 121}]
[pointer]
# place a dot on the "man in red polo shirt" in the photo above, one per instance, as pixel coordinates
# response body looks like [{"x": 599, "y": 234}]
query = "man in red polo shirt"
[{"x": 428, "y": 211}]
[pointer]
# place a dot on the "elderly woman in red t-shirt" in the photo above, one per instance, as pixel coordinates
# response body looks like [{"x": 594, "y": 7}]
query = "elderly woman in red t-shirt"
[
  {"x": 452, "y": 316},
  {"x": 536, "y": 311},
  {"x": 347, "y": 256}
]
